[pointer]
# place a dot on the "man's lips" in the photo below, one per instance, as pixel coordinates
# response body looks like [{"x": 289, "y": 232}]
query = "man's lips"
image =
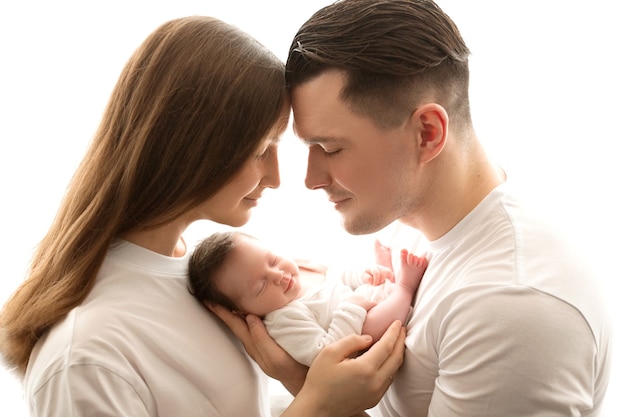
[{"x": 336, "y": 200}]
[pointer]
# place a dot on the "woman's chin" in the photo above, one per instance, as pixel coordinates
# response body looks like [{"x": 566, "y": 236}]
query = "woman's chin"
[{"x": 239, "y": 221}]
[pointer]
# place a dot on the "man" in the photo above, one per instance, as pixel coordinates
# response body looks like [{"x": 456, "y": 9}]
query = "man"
[{"x": 507, "y": 320}]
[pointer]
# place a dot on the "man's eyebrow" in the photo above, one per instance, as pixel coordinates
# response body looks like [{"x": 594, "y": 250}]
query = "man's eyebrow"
[{"x": 317, "y": 140}]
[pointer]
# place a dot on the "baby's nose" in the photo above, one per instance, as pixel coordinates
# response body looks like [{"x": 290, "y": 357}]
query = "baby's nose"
[{"x": 281, "y": 276}]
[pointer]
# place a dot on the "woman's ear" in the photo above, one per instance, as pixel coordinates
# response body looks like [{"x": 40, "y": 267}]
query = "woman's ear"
[{"x": 431, "y": 128}]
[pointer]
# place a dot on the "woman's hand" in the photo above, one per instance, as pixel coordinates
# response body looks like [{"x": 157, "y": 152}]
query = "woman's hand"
[
  {"x": 338, "y": 385},
  {"x": 270, "y": 357}
]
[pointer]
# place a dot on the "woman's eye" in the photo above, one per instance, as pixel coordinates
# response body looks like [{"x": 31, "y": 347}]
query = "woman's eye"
[
  {"x": 263, "y": 154},
  {"x": 333, "y": 152},
  {"x": 272, "y": 147}
]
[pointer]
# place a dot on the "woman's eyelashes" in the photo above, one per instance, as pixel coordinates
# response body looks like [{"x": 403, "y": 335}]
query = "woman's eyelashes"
[{"x": 269, "y": 150}]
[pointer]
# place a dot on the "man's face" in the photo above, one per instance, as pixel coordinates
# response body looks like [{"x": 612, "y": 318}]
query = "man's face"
[{"x": 368, "y": 173}]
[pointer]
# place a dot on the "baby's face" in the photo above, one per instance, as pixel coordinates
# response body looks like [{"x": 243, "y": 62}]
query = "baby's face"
[{"x": 257, "y": 279}]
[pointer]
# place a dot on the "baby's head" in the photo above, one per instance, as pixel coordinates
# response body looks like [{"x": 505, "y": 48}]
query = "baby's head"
[{"x": 239, "y": 272}]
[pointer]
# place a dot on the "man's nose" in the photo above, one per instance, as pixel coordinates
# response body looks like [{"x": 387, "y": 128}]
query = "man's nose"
[{"x": 316, "y": 173}]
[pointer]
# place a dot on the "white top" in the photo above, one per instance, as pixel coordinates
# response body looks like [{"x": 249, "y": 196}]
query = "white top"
[
  {"x": 508, "y": 321},
  {"x": 141, "y": 345},
  {"x": 304, "y": 326}
]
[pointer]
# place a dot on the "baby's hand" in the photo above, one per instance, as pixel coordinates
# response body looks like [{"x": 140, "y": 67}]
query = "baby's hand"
[
  {"x": 360, "y": 301},
  {"x": 377, "y": 274}
]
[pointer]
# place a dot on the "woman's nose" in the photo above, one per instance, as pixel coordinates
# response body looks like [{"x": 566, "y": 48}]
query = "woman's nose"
[{"x": 271, "y": 175}]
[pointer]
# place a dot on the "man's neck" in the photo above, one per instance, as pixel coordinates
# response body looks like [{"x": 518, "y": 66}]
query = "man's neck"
[{"x": 462, "y": 179}]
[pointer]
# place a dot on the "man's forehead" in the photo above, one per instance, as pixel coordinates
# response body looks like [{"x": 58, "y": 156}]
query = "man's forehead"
[{"x": 312, "y": 94}]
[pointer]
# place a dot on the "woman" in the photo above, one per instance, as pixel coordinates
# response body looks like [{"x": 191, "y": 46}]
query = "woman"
[{"x": 104, "y": 324}]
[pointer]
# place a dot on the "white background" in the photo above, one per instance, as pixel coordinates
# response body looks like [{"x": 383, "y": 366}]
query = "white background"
[{"x": 547, "y": 97}]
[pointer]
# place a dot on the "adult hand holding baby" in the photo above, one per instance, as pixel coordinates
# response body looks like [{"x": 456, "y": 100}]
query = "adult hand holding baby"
[{"x": 362, "y": 380}]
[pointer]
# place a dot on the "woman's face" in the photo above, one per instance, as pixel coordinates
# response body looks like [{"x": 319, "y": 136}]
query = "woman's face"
[{"x": 232, "y": 204}]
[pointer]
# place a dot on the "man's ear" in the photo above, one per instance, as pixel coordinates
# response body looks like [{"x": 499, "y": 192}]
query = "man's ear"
[{"x": 431, "y": 128}]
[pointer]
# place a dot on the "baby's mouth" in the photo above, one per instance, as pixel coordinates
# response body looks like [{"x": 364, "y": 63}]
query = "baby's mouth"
[{"x": 290, "y": 283}]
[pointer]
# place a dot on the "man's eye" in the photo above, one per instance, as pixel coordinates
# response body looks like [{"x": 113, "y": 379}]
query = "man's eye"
[{"x": 333, "y": 152}]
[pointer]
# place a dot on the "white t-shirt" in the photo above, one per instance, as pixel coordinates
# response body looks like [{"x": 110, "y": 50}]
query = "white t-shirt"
[
  {"x": 508, "y": 321},
  {"x": 141, "y": 345}
]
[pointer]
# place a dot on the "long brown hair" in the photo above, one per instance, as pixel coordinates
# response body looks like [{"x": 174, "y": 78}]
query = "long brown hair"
[
  {"x": 393, "y": 53},
  {"x": 190, "y": 107}
]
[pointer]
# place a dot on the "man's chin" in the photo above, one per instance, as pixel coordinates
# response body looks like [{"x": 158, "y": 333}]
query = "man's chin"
[{"x": 361, "y": 226}]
